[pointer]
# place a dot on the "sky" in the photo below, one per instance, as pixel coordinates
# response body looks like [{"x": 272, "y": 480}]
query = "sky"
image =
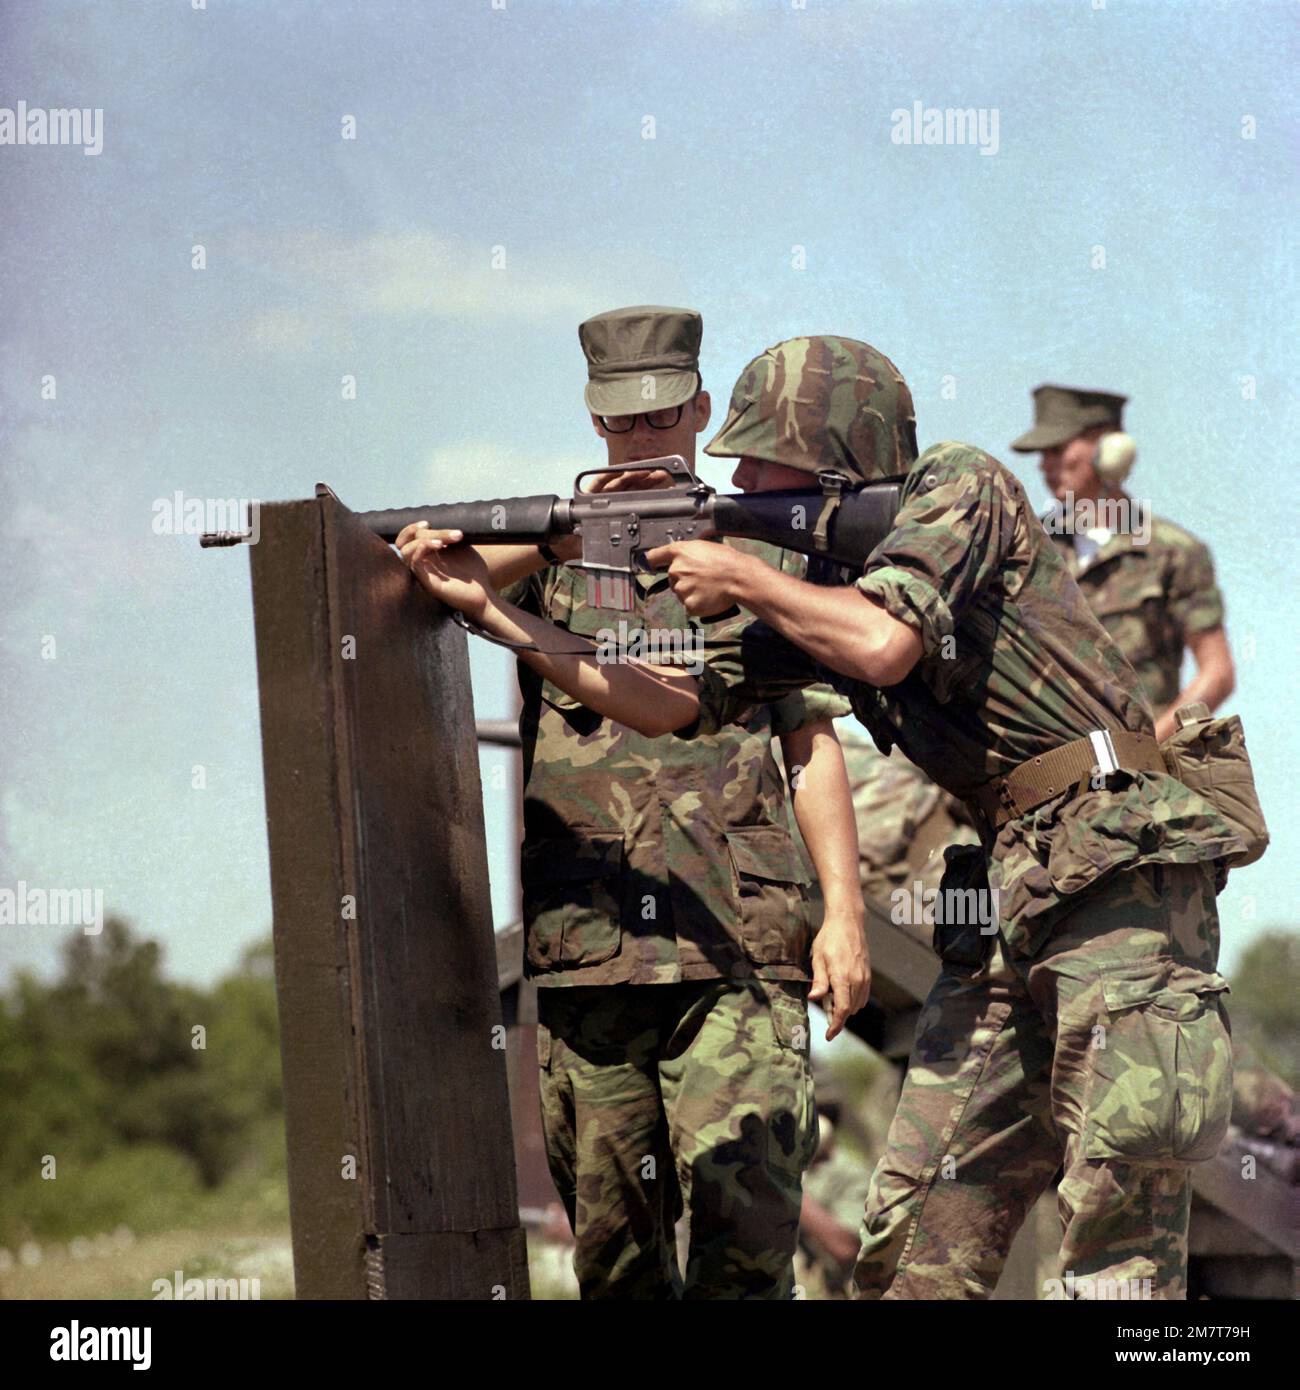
[{"x": 517, "y": 166}]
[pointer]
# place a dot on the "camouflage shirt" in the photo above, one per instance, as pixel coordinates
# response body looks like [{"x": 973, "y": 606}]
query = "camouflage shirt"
[
  {"x": 1151, "y": 598},
  {"x": 1014, "y": 664},
  {"x": 651, "y": 861}
]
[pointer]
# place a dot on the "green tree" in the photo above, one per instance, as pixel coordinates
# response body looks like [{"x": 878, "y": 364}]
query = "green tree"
[
  {"x": 100, "y": 1069},
  {"x": 1265, "y": 1004}
]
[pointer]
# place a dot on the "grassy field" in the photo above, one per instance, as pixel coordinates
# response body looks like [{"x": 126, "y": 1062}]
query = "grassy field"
[{"x": 129, "y": 1269}]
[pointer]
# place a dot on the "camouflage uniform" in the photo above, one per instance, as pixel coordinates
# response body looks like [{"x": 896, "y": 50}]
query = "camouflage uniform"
[
  {"x": 1104, "y": 1052},
  {"x": 1064, "y": 1046},
  {"x": 695, "y": 1095},
  {"x": 1151, "y": 599},
  {"x": 650, "y": 862}
]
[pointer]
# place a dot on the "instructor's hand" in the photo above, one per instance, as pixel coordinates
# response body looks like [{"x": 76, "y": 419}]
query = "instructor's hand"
[
  {"x": 630, "y": 480},
  {"x": 841, "y": 968}
]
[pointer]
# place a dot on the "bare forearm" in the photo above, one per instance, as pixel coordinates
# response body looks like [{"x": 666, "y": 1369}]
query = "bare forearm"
[
  {"x": 652, "y": 700},
  {"x": 1214, "y": 681},
  {"x": 827, "y": 1232},
  {"x": 823, "y": 808},
  {"x": 839, "y": 627},
  {"x": 507, "y": 564}
]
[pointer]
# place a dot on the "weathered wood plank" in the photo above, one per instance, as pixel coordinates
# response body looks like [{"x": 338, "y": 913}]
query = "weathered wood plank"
[
  {"x": 386, "y": 963},
  {"x": 319, "y": 1061}
]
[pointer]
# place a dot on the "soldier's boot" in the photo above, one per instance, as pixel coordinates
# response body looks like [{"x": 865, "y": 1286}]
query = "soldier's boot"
[
  {"x": 738, "y": 1091},
  {"x": 607, "y": 1138},
  {"x": 970, "y": 1147}
]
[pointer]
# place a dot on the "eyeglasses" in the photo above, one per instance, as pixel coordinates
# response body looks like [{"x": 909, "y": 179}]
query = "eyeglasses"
[{"x": 657, "y": 420}]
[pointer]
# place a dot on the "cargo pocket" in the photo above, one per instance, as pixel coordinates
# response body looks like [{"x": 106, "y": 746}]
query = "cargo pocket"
[
  {"x": 789, "y": 1015},
  {"x": 1161, "y": 1086},
  {"x": 772, "y": 895},
  {"x": 571, "y": 892},
  {"x": 791, "y": 1139}
]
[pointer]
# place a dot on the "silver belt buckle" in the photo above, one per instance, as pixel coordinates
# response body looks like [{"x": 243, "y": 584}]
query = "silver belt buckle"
[{"x": 1103, "y": 751}]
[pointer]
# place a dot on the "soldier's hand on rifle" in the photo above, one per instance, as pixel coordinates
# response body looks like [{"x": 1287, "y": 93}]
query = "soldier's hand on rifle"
[
  {"x": 452, "y": 572},
  {"x": 703, "y": 574}
]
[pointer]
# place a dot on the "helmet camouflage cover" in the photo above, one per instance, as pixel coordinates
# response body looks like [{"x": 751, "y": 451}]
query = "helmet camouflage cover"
[{"x": 822, "y": 403}]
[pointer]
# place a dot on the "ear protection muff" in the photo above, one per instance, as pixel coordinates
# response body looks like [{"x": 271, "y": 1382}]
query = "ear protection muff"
[{"x": 1115, "y": 455}]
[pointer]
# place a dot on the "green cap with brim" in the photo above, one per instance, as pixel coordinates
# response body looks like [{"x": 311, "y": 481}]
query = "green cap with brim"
[
  {"x": 1063, "y": 412},
  {"x": 641, "y": 359}
]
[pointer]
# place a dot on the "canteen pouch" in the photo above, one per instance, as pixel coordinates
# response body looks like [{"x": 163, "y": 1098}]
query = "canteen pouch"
[{"x": 1209, "y": 756}]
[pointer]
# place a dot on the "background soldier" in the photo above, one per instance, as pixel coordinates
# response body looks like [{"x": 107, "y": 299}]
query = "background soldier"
[
  {"x": 1151, "y": 583},
  {"x": 1101, "y": 861},
  {"x": 666, "y": 907}
]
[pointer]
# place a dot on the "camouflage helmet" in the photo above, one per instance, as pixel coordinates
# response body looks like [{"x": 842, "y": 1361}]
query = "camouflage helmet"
[{"x": 822, "y": 403}]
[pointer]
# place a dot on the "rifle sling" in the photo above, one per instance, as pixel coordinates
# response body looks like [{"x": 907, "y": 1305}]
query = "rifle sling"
[
  {"x": 474, "y": 630},
  {"x": 832, "y": 486}
]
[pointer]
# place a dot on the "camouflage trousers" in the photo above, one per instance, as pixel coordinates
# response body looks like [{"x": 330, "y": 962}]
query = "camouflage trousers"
[
  {"x": 663, "y": 1098},
  {"x": 1105, "y": 1054}
]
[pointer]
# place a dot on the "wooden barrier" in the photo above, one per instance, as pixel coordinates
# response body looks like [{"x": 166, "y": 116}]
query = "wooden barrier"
[{"x": 401, "y": 1168}]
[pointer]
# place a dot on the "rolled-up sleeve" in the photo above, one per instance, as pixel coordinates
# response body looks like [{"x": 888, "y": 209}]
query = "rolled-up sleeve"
[
  {"x": 912, "y": 600},
  {"x": 812, "y": 706},
  {"x": 949, "y": 540},
  {"x": 1194, "y": 600}
]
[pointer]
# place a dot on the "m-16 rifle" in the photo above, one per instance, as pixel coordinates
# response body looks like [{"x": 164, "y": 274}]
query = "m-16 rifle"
[{"x": 841, "y": 523}]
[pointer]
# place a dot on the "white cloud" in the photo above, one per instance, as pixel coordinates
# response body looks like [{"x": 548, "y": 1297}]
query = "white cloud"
[
  {"x": 292, "y": 331},
  {"x": 405, "y": 275}
]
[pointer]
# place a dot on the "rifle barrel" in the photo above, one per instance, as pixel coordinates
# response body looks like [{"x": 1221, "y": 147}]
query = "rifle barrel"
[{"x": 498, "y": 521}]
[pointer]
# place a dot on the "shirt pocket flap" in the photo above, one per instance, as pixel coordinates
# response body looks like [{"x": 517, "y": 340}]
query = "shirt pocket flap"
[
  {"x": 557, "y": 699},
  {"x": 768, "y": 852},
  {"x": 1187, "y": 979},
  {"x": 572, "y": 861}
]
